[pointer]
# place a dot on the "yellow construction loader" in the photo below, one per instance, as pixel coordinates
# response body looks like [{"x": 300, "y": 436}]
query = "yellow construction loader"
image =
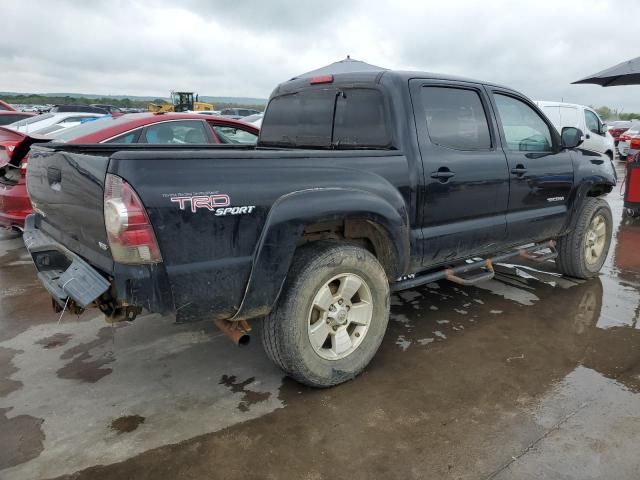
[{"x": 181, "y": 102}]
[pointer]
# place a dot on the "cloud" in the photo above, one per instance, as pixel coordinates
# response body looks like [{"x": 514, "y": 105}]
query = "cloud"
[{"x": 245, "y": 48}]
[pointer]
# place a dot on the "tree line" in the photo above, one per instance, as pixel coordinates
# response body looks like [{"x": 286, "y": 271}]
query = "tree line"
[
  {"x": 607, "y": 113},
  {"x": 35, "y": 99}
]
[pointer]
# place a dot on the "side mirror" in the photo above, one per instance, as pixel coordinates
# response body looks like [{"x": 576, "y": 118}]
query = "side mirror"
[
  {"x": 603, "y": 129},
  {"x": 571, "y": 137}
]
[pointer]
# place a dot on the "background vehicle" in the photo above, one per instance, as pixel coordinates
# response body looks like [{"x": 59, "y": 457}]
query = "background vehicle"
[
  {"x": 206, "y": 112},
  {"x": 78, "y": 108},
  {"x": 363, "y": 182},
  {"x": 624, "y": 141},
  {"x": 256, "y": 119},
  {"x": 48, "y": 123},
  {"x": 148, "y": 128},
  {"x": 181, "y": 102},
  {"x": 597, "y": 138},
  {"x": 617, "y": 128},
  {"x": 7, "y": 117},
  {"x": 109, "y": 108},
  {"x": 5, "y": 106},
  {"x": 238, "y": 113}
]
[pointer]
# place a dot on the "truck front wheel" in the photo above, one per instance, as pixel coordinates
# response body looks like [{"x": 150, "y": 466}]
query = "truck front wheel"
[
  {"x": 331, "y": 316},
  {"x": 582, "y": 252}
]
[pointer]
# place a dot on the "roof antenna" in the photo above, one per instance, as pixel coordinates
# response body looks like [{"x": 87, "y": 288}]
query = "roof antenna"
[{"x": 348, "y": 57}]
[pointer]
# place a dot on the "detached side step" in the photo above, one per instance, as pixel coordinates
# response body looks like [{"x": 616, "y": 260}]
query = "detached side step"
[{"x": 485, "y": 268}]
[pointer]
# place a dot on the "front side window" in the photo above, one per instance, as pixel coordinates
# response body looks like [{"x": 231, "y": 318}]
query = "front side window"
[
  {"x": 179, "y": 132},
  {"x": 234, "y": 135},
  {"x": 524, "y": 129},
  {"x": 593, "y": 124},
  {"x": 456, "y": 118}
]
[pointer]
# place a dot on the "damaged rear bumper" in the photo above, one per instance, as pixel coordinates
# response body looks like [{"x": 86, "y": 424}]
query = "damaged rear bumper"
[
  {"x": 67, "y": 276},
  {"x": 63, "y": 273}
]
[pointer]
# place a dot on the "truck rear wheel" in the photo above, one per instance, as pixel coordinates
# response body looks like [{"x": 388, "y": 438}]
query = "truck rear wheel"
[
  {"x": 582, "y": 252},
  {"x": 331, "y": 316}
]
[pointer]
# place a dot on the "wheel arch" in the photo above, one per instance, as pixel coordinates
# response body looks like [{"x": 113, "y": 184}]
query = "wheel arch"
[{"x": 378, "y": 222}]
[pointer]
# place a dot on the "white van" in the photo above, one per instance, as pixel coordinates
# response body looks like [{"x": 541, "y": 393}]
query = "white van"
[{"x": 596, "y": 136}]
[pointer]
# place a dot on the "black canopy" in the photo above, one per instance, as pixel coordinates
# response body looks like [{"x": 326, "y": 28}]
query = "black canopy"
[{"x": 625, "y": 73}]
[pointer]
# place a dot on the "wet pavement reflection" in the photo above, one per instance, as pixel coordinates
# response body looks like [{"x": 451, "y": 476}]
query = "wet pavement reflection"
[{"x": 531, "y": 375}]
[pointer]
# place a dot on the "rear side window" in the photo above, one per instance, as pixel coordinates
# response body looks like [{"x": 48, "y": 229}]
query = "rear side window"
[
  {"x": 456, "y": 118},
  {"x": 178, "y": 132},
  {"x": 326, "y": 118}
]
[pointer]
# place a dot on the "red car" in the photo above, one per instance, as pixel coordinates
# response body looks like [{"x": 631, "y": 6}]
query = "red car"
[
  {"x": 617, "y": 128},
  {"x": 149, "y": 128},
  {"x": 9, "y": 116},
  {"x": 6, "y": 106}
]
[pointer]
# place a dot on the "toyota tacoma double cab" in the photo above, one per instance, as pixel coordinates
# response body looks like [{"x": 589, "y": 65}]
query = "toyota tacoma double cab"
[{"x": 362, "y": 183}]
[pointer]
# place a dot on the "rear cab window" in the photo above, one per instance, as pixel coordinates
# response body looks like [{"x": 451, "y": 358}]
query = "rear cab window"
[{"x": 333, "y": 117}]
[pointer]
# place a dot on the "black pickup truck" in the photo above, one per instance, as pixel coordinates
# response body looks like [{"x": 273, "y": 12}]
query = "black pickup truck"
[{"x": 362, "y": 183}]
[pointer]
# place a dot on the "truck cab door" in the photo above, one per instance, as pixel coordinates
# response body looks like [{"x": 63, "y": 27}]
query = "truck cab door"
[
  {"x": 463, "y": 199},
  {"x": 541, "y": 172}
]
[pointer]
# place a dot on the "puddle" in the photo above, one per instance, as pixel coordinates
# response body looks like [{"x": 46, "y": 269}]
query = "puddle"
[
  {"x": 249, "y": 397},
  {"x": 127, "y": 423}
]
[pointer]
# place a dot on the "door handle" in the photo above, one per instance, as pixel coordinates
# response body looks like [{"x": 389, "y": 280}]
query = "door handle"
[
  {"x": 519, "y": 170},
  {"x": 443, "y": 174}
]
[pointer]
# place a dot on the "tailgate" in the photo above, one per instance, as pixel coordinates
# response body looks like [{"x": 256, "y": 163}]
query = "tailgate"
[{"x": 66, "y": 190}]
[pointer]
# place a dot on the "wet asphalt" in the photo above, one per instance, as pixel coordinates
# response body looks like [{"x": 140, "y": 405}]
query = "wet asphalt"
[{"x": 528, "y": 376}]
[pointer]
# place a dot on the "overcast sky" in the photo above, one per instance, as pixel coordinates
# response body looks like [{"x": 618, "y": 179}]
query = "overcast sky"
[{"x": 245, "y": 47}]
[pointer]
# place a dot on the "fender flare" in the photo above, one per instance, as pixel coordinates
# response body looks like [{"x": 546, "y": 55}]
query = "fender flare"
[
  {"x": 285, "y": 224},
  {"x": 577, "y": 200}
]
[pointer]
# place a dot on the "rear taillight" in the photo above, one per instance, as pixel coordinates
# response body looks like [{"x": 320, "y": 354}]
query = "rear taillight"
[
  {"x": 23, "y": 166},
  {"x": 5, "y": 155},
  {"x": 131, "y": 237},
  {"x": 634, "y": 143}
]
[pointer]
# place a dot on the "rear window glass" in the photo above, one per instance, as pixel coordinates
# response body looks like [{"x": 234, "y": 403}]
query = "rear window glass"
[
  {"x": 30, "y": 120},
  {"x": 359, "y": 119},
  {"x": 302, "y": 119},
  {"x": 10, "y": 118},
  {"x": 326, "y": 118}
]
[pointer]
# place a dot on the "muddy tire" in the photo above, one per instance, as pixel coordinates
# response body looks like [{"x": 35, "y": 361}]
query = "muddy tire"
[
  {"x": 331, "y": 316},
  {"x": 582, "y": 252}
]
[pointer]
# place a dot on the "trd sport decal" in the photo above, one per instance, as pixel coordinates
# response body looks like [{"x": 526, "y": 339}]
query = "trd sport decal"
[{"x": 216, "y": 202}]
